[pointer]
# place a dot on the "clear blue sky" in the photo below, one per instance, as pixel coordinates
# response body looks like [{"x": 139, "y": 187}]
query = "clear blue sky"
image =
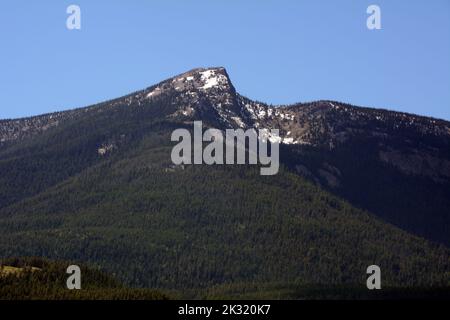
[{"x": 275, "y": 51}]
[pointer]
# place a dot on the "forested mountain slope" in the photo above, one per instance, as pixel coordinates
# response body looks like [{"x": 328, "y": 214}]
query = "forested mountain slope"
[{"x": 99, "y": 186}]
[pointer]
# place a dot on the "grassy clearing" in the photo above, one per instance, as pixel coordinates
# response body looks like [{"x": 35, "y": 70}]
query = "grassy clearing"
[{"x": 8, "y": 270}]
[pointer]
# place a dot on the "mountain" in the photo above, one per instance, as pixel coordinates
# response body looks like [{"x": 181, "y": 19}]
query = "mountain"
[
  {"x": 393, "y": 164},
  {"x": 357, "y": 187}
]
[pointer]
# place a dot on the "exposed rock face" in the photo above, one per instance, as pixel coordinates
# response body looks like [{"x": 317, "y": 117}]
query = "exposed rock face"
[{"x": 415, "y": 162}]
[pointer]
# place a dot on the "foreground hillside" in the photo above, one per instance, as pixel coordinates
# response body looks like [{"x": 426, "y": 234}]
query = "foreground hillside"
[{"x": 42, "y": 279}]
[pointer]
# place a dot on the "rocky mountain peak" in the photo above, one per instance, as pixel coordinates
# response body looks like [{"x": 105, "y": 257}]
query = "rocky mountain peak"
[
  {"x": 200, "y": 79},
  {"x": 202, "y": 94}
]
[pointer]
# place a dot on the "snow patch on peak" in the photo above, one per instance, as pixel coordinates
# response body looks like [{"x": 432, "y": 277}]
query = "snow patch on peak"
[
  {"x": 154, "y": 93},
  {"x": 211, "y": 78},
  {"x": 239, "y": 121},
  {"x": 288, "y": 140}
]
